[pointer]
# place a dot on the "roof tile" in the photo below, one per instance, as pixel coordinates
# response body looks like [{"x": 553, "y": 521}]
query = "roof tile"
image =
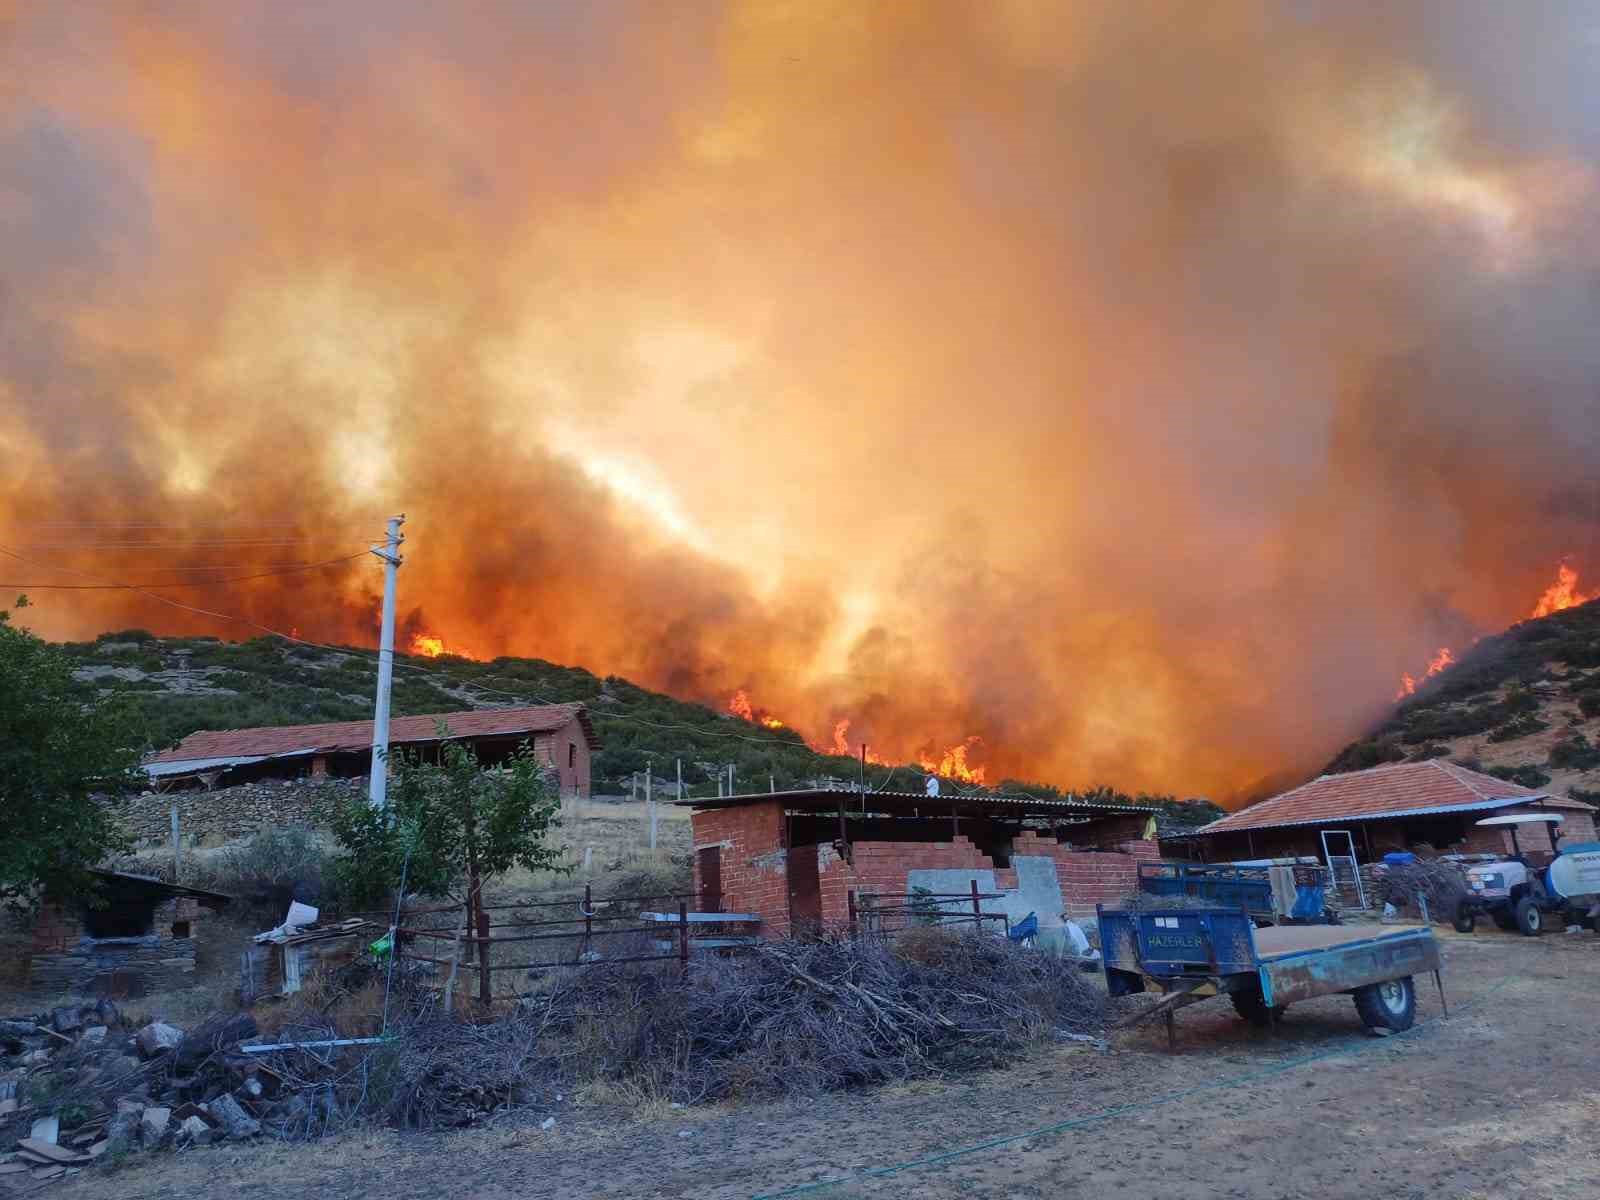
[
  {"x": 1394, "y": 787},
  {"x": 357, "y": 735}
]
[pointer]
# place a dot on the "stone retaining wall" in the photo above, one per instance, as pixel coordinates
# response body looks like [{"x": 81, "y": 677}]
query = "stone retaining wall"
[{"x": 211, "y": 818}]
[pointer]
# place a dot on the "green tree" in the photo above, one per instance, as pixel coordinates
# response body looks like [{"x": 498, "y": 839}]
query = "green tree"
[
  {"x": 61, "y": 762},
  {"x": 455, "y": 819}
]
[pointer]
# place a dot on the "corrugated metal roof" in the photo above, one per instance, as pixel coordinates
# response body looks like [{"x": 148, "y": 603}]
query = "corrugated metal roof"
[
  {"x": 829, "y": 799},
  {"x": 1378, "y": 793},
  {"x": 238, "y": 746}
]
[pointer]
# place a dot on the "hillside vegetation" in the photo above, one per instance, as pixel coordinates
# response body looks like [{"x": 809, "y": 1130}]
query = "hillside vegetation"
[
  {"x": 1523, "y": 705},
  {"x": 175, "y": 686}
]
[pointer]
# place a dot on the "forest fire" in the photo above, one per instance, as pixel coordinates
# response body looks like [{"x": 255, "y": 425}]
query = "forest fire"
[
  {"x": 953, "y": 763},
  {"x": 631, "y": 465},
  {"x": 1563, "y": 593},
  {"x": 739, "y": 705},
  {"x": 430, "y": 645},
  {"x": 1559, "y": 596}
]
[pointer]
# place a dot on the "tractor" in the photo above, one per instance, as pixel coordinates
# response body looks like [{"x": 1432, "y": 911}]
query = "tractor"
[{"x": 1518, "y": 896}]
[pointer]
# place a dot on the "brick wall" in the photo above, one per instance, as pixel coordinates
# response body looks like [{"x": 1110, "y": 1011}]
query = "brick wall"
[
  {"x": 1088, "y": 877},
  {"x": 755, "y": 875}
]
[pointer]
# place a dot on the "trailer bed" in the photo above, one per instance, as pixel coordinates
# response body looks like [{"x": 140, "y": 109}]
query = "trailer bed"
[
  {"x": 1188, "y": 954},
  {"x": 1280, "y": 940}
]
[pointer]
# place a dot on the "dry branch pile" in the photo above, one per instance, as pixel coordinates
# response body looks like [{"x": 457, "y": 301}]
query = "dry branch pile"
[
  {"x": 1444, "y": 884},
  {"x": 789, "y": 1018}
]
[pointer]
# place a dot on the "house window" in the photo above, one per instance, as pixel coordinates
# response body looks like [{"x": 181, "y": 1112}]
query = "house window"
[
  {"x": 180, "y": 929},
  {"x": 572, "y": 754}
]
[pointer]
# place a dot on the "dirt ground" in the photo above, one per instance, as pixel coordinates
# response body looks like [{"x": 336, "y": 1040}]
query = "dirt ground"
[{"x": 1500, "y": 1100}]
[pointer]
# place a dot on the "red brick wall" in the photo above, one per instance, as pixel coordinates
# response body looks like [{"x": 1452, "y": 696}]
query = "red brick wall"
[
  {"x": 557, "y": 748},
  {"x": 1088, "y": 878},
  {"x": 755, "y": 875},
  {"x": 1534, "y": 839}
]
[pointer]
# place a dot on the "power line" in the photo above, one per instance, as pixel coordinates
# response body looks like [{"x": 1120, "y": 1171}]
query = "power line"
[{"x": 189, "y": 583}]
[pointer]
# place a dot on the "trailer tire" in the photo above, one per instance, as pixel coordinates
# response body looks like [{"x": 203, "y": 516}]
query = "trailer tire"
[
  {"x": 1249, "y": 1004},
  {"x": 1388, "y": 1007},
  {"x": 1530, "y": 920},
  {"x": 1465, "y": 919}
]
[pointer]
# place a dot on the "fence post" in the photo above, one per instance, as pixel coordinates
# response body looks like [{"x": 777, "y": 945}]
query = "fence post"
[
  {"x": 683, "y": 937},
  {"x": 977, "y": 909},
  {"x": 588, "y": 915},
  {"x": 850, "y": 900}
]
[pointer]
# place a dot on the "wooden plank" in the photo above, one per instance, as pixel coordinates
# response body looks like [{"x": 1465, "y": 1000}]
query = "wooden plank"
[{"x": 50, "y": 1151}]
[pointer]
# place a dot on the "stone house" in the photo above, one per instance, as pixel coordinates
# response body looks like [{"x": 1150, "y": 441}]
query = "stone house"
[{"x": 142, "y": 938}]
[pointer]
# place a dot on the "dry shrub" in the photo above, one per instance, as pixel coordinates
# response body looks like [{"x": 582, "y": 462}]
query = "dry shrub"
[{"x": 1443, "y": 883}]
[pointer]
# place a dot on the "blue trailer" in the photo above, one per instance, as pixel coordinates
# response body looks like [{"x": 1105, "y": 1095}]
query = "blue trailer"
[
  {"x": 1229, "y": 886},
  {"x": 1189, "y": 954}
]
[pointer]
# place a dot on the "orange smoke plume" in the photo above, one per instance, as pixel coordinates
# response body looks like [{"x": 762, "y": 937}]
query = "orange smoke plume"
[{"x": 658, "y": 324}]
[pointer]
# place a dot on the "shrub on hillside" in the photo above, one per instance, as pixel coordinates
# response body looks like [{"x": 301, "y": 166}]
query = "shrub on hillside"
[
  {"x": 1574, "y": 752},
  {"x": 272, "y": 868}
]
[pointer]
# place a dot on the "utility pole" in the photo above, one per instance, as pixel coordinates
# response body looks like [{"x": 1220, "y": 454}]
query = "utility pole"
[
  {"x": 730, "y": 779},
  {"x": 378, "y": 786},
  {"x": 679, "y": 761}
]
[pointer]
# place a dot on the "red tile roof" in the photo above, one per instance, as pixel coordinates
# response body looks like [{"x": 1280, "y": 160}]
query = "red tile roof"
[
  {"x": 1391, "y": 790},
  {"x": 269, "y": 741}
]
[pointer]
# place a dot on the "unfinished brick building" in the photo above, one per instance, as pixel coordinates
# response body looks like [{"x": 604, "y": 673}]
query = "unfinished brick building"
[{"x": 794, "y": 858}]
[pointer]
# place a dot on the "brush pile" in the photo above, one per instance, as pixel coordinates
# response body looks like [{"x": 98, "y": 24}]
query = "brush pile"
[
  {"x": 788, "y": 1018},
  {"x": 1443, "y": 884}
]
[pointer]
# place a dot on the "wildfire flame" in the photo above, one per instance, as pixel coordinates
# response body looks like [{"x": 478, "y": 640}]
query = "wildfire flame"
[
  {"x": 739, "y": 705},
  {"x": 428, "y": 645},
  {"x": 953, "y": 763},
  {"x": 1563, "y": 593},
  {"x": 1560, "y": 595}
]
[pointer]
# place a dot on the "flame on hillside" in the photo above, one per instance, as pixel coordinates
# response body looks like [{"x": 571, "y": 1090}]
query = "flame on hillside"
[
  {"x": 953, "y": 763},
  {"x": 1559, "y": 596},
  {"x": 431, "y": 645},
  {"x": 739, "y": 705},
  {"x": 1563, "y": 593}
]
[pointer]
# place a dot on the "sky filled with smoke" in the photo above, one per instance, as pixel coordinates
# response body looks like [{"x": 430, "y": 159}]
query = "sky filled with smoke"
[{"x": 1137, "y": 390}]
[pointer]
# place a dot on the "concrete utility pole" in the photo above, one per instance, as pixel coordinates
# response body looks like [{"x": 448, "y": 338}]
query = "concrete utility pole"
[
  {"x": 730, "y": 779},
  {"x": 378, "y": 786},
  {"x": 679, "y": 761}
]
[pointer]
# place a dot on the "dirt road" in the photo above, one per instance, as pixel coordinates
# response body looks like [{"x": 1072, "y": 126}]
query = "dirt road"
[{"x": 1499, "y": 1101}]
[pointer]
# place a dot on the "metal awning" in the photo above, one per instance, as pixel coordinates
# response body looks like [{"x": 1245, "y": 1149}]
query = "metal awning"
[{"x": 912, "y": 804}]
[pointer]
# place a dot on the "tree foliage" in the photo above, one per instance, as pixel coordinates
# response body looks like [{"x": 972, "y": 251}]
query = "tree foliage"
[
  {"x": 59, "y": 759},
  {"x": 450, "y": 815}
]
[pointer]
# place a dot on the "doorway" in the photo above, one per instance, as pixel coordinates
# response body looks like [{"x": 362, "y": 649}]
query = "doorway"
[
  {"x": 709, "y": 860},
  {"x": 805, "y": 892}
]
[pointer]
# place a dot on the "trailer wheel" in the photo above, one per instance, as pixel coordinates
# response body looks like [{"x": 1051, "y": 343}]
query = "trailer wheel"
[
  {"x": 1465, "y": 919},
  {"x": 1529, "y": 919},
  {"x": 1249, "y": 1004},
  {"x": 1387, "y": 1007}
]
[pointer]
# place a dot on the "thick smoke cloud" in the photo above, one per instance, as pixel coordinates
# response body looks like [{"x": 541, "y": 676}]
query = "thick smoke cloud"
[{"x": 1138, "y": 390}]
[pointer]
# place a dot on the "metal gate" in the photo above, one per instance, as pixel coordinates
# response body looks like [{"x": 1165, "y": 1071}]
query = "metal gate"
[{"x": 1343, "y": 868}]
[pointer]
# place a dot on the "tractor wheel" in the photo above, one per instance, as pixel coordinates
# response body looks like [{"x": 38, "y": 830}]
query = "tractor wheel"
[
  {"x": 1530, "y": 920},
  {"x": 1249, "y": 1005},
  {"x": 1465, "y": 919},
  {"x": 1388, "y": 1007},
  {"x": 1506, "y": 919}
]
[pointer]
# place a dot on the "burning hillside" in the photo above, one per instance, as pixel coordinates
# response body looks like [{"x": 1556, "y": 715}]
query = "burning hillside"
[{"x": 925, "y": 368}]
